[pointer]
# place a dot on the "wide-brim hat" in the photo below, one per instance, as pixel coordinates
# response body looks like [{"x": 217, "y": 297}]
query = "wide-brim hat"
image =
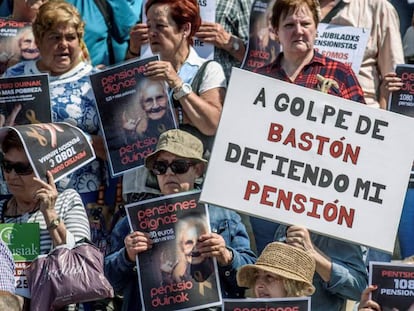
[
  {"x": 180, "y": 143},
  {"x": 282, "y": 259}
]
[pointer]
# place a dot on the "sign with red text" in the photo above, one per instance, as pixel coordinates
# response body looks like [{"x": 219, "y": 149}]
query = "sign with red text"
[
  {"x": 300, "y": 156},
  {"x": 25, "y": 100},
  {"x": 58, "y": 147},
  {"x": 402, "y": 101},
  {"x": 395, "y": 283},
  {"x": 173, "y": 275},
  {"x": 343, "y": 43},
  {"x": 133, "y": 110},
  {"x": 268, "y": 304}
]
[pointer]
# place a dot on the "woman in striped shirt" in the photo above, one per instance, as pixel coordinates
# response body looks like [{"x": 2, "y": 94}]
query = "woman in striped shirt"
[{"x": 61, "y": 216}]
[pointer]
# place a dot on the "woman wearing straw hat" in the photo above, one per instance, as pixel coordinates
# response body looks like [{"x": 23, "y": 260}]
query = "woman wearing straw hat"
[{"x": 280, "y": 271}]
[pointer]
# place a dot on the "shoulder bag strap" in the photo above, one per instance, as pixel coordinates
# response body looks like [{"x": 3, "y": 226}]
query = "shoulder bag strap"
[
  {"x": 104, "y": 9},
  {"x": 198, "y": 78},
  {"x": 332, "y": 13},
  {"x": 195, "y": 85}
]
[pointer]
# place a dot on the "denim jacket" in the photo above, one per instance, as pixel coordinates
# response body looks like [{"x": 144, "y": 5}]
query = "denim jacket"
[
  {"x": 348, "y": 276},
  {"x": 123, "y": 275}
]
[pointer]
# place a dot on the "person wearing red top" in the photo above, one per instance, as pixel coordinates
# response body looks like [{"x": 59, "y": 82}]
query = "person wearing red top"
[
  {"x": 337, "y": 277},
  {"x": 295, "y": 25}
]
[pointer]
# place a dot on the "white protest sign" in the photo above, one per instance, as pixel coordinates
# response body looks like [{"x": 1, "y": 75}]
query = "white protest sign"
[
  {"x": 343, "y": 43},
  {"x": 207, "y": 14},
  {"x": 298, "y": 156}
]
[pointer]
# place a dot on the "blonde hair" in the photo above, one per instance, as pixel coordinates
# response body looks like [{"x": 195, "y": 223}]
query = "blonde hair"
[
  {"x": 54, "y": 13},
  {"x": 296, "y": 288},
  {"x": 293, "y": 288}
]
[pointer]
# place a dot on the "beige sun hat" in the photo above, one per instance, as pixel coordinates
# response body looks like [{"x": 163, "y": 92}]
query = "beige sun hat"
[
  {"x": 180, "y": 143},
  {"x": 282, "y": 259}
]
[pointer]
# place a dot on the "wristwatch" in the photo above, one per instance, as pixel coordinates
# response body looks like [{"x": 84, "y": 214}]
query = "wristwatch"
[
  {"x": 54, "y": 224},
  {"x": 182, "y": 91}
]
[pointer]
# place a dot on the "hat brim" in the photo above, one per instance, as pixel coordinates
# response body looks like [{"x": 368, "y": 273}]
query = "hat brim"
[
  {"x": 246, "y": 275},
  {"x": 149, "y": 160}
]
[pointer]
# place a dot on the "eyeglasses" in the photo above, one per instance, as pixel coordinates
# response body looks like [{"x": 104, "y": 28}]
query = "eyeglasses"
[
  {"x": 18, "y": 167},
  {"x": 177, "y": 166}
]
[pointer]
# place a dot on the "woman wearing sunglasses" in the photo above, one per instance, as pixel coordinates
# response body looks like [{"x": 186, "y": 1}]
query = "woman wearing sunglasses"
[
  {"x": 61, "y": 217},
  {"x": 177, "y": 163}
]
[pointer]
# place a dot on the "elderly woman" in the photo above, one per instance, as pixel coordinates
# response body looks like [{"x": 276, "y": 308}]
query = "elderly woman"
[
  {"x": 280, "y": 271},
  {"x": 340, "y": 268},
  {"x": 177, "y": 162},
  {"x": 61, "y": 217},
  {"x": 171, "y": 25},
  {"x": 58, "y": 30},
  {"x": 295, "y": 25}
]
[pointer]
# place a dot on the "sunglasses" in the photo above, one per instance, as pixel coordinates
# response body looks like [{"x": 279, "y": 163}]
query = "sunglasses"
[
  {"x": 18, "y": 167},
  {"x": 177, "y": 166}
]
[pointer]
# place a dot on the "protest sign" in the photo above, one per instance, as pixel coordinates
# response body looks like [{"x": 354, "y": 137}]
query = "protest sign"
[
  {"x": 133, "y": 111},
  {"x": 343, "y": 43},
  {"x": 268, "y": 304},
  {"x": 25, "y": 99},
  {"x": 300, "y": 156},
  {"x": 402, "y": 101},
  {"x": 16, "y": 43},
  {"x": 395, "y": 283},
  {"x": 23, "y": 240},
  {"x": 57, "y": 147},
  {"x": 172, "y": 275},
  {"x": 207, "y": 14},
  {"x": 262, "y": 47}
]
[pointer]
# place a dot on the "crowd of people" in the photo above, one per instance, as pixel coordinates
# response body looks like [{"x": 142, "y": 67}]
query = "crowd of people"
[{"x": 255, "y": 257}]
